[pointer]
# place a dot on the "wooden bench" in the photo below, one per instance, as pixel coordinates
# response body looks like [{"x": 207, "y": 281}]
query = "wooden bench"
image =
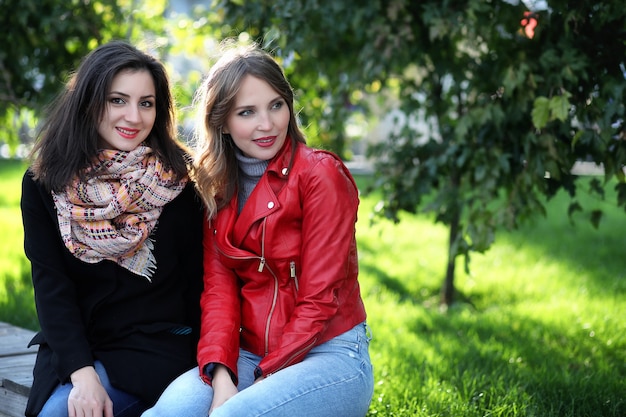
[{"x": 16, "y": 369}]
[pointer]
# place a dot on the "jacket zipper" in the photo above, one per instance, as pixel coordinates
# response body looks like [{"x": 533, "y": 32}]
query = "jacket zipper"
[
  {"x": 275, "y": 296},
  {"x": 292, "y": 273},
  {"x": 261, "y": 267},
  {"x": 262, "y": 262}
]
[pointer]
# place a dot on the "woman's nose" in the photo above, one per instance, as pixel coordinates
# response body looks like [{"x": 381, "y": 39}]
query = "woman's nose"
[
  {"x": 132, "y": 114},
  {"x": 265, "y": 121}
]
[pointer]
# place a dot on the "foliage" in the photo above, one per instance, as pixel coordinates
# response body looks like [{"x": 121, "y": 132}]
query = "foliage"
[
  {"x": 41, "y": 41},
  {"x": 192, "y": 40},
  {"x": 504, "y": 111},
  {"x": 44, "y": 41},
  {"x": 321, "y": 45},
  {"x": 499, "y": 102}
]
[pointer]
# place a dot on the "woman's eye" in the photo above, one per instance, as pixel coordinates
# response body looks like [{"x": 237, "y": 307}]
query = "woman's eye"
[
  {"x": 245, "y": 113},
  {"x": 117, "y": 100},
  {"x": 278, "y": 104},
  {"x": 147, "y": 103}
]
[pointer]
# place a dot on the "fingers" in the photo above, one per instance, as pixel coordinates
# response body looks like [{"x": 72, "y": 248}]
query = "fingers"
[
  {"x": 89, "y": 403},
  {"x": 108, "y": 408}
]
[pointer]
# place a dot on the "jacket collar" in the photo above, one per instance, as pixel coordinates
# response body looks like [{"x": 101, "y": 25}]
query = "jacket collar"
[
  {"x": 263, "y": 200},
  {"x": 280, "y": 163}
]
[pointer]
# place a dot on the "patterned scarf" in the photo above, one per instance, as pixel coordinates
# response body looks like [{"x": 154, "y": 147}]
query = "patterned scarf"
[{"x": 112, "y": 215}]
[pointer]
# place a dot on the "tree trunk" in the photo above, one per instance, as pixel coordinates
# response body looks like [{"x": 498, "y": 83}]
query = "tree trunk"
[{"x": 447, "y": 290}]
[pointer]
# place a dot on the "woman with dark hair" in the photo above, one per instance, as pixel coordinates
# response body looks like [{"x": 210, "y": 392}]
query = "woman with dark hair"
[
  {"x": 283, "y": 328},
  {"x": 113, "y": 230}
]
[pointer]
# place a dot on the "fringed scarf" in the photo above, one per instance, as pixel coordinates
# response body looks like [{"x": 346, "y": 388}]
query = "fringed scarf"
[{"x": 112, "y": 215}]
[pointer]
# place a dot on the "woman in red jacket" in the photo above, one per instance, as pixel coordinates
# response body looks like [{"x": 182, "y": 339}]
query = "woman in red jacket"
[{"x": 283, "y": 324}]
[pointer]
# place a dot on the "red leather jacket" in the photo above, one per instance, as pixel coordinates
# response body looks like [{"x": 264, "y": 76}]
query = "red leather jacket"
[{"x": 281, "y": 277}]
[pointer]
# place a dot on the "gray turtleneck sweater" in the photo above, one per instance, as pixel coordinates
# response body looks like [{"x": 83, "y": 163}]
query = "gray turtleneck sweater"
[{"x": 250, "y": 172}]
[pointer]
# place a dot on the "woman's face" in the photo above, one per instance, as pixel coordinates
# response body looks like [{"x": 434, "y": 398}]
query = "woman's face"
[
  {"x": 130, "y": 111},
  {"x": 259, "y": 119}
]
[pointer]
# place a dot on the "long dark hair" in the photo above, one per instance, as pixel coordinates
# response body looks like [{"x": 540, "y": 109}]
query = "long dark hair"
[{"x": 67, "y": 143}]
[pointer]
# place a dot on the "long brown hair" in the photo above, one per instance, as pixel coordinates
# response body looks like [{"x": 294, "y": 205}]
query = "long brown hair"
[{"x": 215, "y": 163}]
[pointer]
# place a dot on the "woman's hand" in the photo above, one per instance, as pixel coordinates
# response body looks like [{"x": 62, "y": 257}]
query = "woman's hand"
[
  {"x": 223, "y": 387},
  {"x": 88, "y": 398}
]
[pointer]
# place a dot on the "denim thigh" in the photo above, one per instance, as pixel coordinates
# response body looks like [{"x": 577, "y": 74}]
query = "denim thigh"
[
  {"x": 124, "y": 404},
  {"x": 334, "y": 379},
  {"x": 188, "y": 396}
]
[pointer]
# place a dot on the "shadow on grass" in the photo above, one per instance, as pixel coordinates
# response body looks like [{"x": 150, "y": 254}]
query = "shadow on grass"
[
  {"x": 579, "y": 246},
  {"x": 391, "y": 283},
  {"x": 426, "y": 293},
  {"x": 495, "y": 361}
]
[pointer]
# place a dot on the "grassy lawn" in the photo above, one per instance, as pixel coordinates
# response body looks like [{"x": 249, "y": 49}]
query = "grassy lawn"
[
  {"x": 539, "y": 330},
  {"x": 16, "y": 293}
]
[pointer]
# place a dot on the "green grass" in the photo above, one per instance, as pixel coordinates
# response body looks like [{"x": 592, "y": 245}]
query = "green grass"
[
  {"x": 540, "y": 330},
  {"x": 16, "y": 293},
  {"x": 541, "y": 333}
]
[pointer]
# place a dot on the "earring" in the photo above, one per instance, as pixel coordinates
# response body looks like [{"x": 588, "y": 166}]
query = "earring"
[{"x": 223, "y": 135}]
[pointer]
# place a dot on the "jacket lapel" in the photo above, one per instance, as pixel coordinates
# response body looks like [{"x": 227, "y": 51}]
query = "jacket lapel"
[{"x": 264, "y": 198}]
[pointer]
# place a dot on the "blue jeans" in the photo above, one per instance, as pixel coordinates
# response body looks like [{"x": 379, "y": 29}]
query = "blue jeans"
[
  {"x": 334, "y": 379},
  {"x": 124, "y": 404}
]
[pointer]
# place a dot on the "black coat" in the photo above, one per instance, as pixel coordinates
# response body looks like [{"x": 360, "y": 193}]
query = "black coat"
[{"x": 105, "y": 312}]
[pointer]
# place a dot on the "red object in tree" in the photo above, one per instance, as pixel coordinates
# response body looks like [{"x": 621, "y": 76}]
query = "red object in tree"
[{"x": 529, "y": 23}]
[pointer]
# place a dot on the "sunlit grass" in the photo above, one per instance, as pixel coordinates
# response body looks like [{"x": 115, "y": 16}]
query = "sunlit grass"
[
  {"x": 538, "y": 330},
  {"x": 16, "y": 294}
]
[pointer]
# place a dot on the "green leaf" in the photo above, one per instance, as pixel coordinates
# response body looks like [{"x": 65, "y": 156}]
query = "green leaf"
[
  {"x": 559, "y": 107},
  {"x": 480, "y": 172},
  {"x": 541, "y": 112},
  {"x": 596, "y": 216},
  {"x": 595, "y": 187},
  {"x": 621, "y": 194},
  {"x": 577, "y": 137},
  {"x": 573, "y": 208}
]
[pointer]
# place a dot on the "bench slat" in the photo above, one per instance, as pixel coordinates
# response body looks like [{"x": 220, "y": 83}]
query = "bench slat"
[
  {"x": 14, "y": 340},
  {"x": 16, "y": 373},
  {"x": 12, "y": 404},
  {"x": 16, "y": 369}
]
